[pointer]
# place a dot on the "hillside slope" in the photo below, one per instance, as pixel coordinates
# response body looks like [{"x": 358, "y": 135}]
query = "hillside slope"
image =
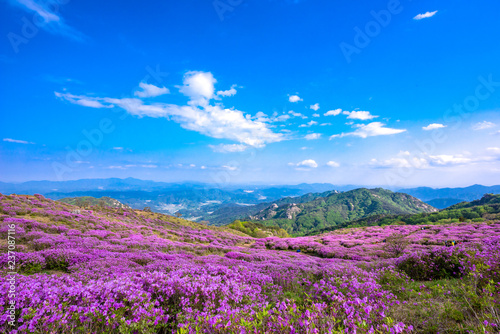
[
  {"x": 87, "y": 201},
  {"x": 337, "y": 208},
  {"x": 227, "y": 214}
]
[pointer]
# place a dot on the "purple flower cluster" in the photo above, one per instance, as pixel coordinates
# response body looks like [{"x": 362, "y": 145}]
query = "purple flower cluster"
[{"x": 120, "y": 270}]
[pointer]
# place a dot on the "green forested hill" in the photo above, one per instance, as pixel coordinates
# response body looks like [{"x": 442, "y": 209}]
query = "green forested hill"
[
  {"x": 486, "y": 208},
  {"x": 337, "y": 208}
]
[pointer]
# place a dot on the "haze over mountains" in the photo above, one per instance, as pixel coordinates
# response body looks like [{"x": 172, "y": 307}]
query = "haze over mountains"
[{"x": 220, "y": 204}]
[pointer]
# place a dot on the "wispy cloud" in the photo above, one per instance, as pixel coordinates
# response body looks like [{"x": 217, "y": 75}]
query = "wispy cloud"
[
  {"x": 52, "y": 21},
  {"x": 425, "y": 15},
  {"x": 370, "y": 130},
  {"x": 483, "y": 125},
  {"x": 333, "y": 164},
  {"x": 228, "y": 148},
  {"x": 17, "y": 141}
]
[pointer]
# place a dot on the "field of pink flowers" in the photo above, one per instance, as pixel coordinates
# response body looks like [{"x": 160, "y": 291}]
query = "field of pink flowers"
[{"x": 124, "y": 271}]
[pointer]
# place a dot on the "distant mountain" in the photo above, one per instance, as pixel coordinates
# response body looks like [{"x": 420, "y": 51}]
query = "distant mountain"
[
  {"x": 336, "y": 208},
  {"x": 195, "y": 201},
  {"x": 441, "y": 203},
  {"x": 463, "y": 194},
  {"x": 488, "y": 199},
  {"x": 87, "y": 201}
]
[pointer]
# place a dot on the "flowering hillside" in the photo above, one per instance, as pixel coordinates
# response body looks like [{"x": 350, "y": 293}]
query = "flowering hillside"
[{"x": 118, "y": 270}]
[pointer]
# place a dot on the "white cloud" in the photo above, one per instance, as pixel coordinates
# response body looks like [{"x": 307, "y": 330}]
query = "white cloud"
[
  {"x": 483, "y": 125},
  {"x": 17, "y": 141},
  {"x": 333, "y": 164},
  {"x": 297, "y": 114},
  {"x": 228, "y": 148},
  {"x": 325, "y": 124},
  {"x": 433, "y": 126},
  {"x": 211, "y": 120},
  {"x": 149, "y": 90},
  {"x": 316, "y": 115},
  {"x": 333, "y": 112},
  {"x": 308, "y": 124},
  {"x": 294, "y": 98},
  {"x": 230, "y": 92},
  {"x": 361, "y": 115},
  {"x": 313, "y": 136},
  {"x": 314, "y": 107},
  {"x": 445, "y": 159},
  {"x": 199, "y": 87},
  {"x": 370, "y": 130},
  {"x": 425, "y": 15},
  {"x": 307, "y": 163}
]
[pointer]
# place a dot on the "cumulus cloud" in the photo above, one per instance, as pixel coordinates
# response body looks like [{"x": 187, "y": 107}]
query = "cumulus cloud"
[
  {"x": 425, "y": 15},
  {"x": 314, "y": 107},
  {"x": 433, "y": 126},
  {"x": 313, "y": 136},
  {"x": 294, "y": 98},
  {"x": 199, "y": 87},
  {"x": 361, "y": 115},
  {"x": 199, "y": 115},
  {"x": 316, "y": 115},
  {"x": 370, "y": 130},
  {"x": 333, "y": 164},
  {"x": 333, "y": 112},
  {"x": 483, "y": 125},
  {"x": 149, "y": 90},
  {"x": 228, "y": 148}
]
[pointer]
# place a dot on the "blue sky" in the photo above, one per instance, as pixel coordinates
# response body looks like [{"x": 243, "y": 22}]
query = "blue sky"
[{"x": 394, "y": 93}]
